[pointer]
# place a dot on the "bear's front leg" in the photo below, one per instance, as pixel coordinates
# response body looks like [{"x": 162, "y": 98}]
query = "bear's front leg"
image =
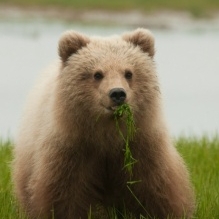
[
  {"x": 163, "y": 190},
  {"x": 59, "y": 186}
]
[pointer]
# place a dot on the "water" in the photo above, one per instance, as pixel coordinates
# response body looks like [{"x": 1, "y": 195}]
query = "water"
[{"x": 187, "y": 63}]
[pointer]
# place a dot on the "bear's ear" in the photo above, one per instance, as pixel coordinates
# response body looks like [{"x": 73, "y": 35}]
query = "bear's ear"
[
  {"x": 70, "y": 42},
  {"x": 142, "y": 38}
]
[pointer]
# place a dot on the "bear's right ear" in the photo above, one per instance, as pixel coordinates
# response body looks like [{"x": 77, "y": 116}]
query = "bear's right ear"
[
  {"x": 70, "y": 42},
  {"x": 142, "y": 38}
]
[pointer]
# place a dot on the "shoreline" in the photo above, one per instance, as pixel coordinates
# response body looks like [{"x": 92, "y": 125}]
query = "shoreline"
[{"x": 170, "y": 20}]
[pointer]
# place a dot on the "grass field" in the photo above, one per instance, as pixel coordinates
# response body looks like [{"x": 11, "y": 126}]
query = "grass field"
[
  {"x": 196, "y": 7},
  {"x": 201, "y": 156}
]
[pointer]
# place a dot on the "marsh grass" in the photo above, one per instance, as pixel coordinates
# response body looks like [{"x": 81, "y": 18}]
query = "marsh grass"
[{"x": 200, "y": 154}]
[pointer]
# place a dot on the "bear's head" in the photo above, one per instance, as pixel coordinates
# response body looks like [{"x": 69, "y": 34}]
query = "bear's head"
[{"x": 98, "y": 74}]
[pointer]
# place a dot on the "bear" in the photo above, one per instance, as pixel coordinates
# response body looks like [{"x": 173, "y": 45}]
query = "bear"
[{"x": 68, "y": 155}]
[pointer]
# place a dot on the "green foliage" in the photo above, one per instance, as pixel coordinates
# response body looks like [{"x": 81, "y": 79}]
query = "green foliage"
[
  {"x": 200, "y": 154},
  {"x": 196, "y": 7}
]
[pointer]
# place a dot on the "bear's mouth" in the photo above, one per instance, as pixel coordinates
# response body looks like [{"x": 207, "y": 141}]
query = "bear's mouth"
[{"x": 112, "y": 108}]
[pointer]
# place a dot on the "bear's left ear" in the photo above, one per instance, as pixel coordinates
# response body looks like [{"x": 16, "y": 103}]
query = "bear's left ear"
[
  {"x": 70, "y": 43},
  {"x": 142, "y": 38}
]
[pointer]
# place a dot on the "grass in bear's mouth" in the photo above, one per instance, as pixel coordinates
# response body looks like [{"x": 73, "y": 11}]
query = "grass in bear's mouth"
[{"x": 124, "y": 112}]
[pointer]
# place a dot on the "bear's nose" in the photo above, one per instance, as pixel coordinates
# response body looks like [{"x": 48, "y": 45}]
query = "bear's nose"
[{"x": 117, "y": 95}]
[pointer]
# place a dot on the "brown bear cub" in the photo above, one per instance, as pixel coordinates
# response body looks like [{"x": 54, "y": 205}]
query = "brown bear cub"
[{"x": 69, "y": 156}]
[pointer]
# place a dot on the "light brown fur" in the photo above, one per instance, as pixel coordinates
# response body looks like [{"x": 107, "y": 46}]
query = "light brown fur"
[{"x": 69, "y": 156}]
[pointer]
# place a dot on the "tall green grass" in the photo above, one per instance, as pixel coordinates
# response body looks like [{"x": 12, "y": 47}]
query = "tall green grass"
[
  {"x": 200, "y": 154},
  {"x": 7, "y": 206},
  {"x": 202, "y": 158},
  {"x": 197, "y": 7}
]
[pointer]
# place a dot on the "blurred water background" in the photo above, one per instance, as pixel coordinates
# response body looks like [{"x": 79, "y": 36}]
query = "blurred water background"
[{"x": 187, "y": 56}]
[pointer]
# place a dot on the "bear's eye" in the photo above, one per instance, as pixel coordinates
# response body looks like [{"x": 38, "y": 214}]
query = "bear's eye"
[
  {"x": 128, "y": 74},
  {"x": 98, "y": 75}
]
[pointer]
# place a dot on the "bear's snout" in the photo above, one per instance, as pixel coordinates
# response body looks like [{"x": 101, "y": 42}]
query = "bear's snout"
[{"x": 117, "y": 95}]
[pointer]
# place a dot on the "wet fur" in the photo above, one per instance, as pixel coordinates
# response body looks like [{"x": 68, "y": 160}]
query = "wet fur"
[{"x": 68, "y": 154}]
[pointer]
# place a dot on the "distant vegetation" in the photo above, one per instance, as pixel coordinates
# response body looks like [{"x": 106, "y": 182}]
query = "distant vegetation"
[
  {"x": 196, "y": 7},
  {"x": 201, "y": 156}
]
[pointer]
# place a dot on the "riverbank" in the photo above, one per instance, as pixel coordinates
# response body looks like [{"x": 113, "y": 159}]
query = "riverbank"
[
  {"x": 187, "y": 57},
  {"x": 158, "y": 19}
]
